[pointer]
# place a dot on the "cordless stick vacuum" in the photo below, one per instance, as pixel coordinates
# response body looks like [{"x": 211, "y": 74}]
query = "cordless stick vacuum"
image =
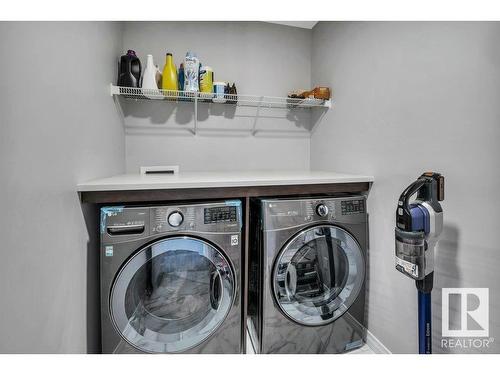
[{"x": 418, "y": 226}]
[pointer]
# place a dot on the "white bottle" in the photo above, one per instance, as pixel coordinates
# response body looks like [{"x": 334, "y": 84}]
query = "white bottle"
[
  {"x": 149, "y": 81},
  {"x": 191, "y": 71}
]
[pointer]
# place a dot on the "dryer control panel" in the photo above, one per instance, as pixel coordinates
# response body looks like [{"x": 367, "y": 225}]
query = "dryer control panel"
[{"x": 287, "y": 213}]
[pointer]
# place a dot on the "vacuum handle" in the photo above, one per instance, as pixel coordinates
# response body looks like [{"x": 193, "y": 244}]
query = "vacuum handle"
[
  {"x": 403, "y": 214},
  {"x": 411, "y": 190}
]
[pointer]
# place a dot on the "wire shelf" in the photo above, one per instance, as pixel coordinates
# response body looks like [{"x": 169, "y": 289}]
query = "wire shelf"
[{"x": 227, "y": 99}]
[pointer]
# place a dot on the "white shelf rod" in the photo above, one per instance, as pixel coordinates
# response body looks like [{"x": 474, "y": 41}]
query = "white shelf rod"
[{"x": 258, "y": 101}]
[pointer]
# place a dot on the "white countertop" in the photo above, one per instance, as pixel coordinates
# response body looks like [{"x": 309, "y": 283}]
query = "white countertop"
[{"x": 187, "y": 180}]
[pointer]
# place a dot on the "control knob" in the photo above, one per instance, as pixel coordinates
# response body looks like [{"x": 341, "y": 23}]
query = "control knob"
[
  {"x": 175, "y": 219},
  {"x": 322, "y": 210}
]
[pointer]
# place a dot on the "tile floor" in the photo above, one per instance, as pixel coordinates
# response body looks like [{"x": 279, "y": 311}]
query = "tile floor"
[{"x": 365, "y": 349}]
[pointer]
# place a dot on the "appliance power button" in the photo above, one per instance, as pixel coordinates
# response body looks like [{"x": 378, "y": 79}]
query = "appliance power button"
[
  {"x": 175, "y": 219},
  {"x": 322, "y": 210}
]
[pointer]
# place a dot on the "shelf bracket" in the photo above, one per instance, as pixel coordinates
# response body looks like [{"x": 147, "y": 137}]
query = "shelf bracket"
[
  {"x": 319, "y": 118},
  {"x": 195, "y": 113},
  {"x": 114, "y": 90},
  {"x": 119, "y": 109},
  {"x": 254, "y": 129}
]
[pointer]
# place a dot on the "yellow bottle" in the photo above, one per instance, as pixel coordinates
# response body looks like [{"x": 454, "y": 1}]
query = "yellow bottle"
[{"x": 169, "y": 77}]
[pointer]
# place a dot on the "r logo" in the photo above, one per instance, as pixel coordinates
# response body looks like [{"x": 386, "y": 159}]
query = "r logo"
[{"x": 472, "y": 305}]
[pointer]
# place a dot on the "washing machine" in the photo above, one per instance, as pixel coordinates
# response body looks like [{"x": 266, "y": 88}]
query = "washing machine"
[
  {"x": 307, "y": 275},
  {"x": 171, "y": 278}
]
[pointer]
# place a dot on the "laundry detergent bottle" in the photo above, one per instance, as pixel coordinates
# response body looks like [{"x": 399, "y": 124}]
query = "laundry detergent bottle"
[
  {"x": 149, "y": 82},
  {"x": 169, "y": 76},
  {"x": 129, "y": 70}
]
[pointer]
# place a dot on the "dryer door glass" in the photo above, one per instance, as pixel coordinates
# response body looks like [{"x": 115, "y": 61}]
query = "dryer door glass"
[
  {"x": 318, "y": 275},
  {"x": 172, "y": 295}
]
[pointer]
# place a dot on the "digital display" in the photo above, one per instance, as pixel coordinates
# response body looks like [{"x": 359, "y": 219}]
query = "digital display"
[
  {"x": 225, "y": 214},
  {"x": 353, "y": 207}
]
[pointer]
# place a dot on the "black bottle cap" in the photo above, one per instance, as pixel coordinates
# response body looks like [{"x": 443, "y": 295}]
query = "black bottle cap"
[{"x": 169, "y": 54}]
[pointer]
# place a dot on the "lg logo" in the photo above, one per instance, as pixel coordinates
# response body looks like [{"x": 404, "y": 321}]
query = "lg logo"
[{"x": 472, "y": 305}]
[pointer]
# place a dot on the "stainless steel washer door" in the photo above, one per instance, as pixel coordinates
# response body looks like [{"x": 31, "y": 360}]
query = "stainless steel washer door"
[
  {"x": 172, "y": 295},
  {"x": 318, "y": 275}
]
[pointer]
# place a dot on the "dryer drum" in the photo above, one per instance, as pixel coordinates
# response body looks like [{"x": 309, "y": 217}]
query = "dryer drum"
[{"x": 318, "y": 275}]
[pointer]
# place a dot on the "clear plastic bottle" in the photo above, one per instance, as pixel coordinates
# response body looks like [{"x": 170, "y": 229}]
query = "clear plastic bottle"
[{"x": 191, "y": 71}]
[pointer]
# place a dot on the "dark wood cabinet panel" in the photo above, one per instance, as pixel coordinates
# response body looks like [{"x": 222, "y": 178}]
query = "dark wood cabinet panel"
[{"x": 172, "y": 195}]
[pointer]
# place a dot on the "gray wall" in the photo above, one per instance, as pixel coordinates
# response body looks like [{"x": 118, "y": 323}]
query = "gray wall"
[
  {"x": 262, "y": 59},
  {"x": 412, "y": 97},
  {"x": 58, "y": 127},
  {"x": 436, "y": 85}
]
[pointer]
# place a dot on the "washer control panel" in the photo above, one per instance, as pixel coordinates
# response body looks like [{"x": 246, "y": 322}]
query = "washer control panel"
[
  {"x": 205, "y": 217},
  {"x": 135, "y": 222}
]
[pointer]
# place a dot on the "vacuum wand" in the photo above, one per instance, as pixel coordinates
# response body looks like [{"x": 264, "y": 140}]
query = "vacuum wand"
[
  {"x": 425, "y": 315},
  {"x": 418, "y": 226}
]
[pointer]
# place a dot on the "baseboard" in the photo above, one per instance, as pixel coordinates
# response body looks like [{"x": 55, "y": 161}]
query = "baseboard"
[{"x": 375, "y": 344}]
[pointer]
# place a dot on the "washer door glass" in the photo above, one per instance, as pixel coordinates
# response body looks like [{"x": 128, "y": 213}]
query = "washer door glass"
[
  {"x": 318, "y": 275},
  {"x": 172, "y": 295}
]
